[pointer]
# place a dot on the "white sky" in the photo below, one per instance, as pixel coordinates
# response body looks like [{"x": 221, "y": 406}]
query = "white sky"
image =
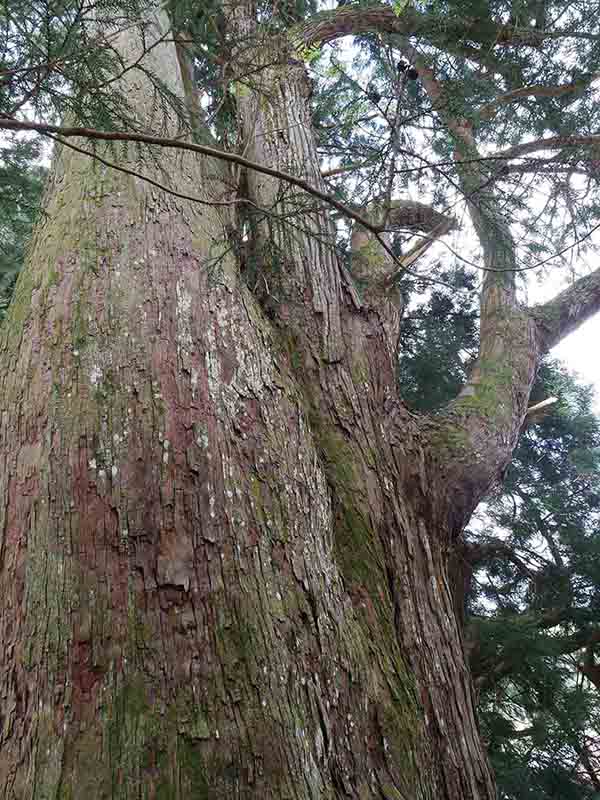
[{"x": 577, "y": 352}]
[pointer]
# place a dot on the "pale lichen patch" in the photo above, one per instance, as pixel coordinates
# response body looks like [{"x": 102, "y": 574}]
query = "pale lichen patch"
[
  {"x": 95, "y": 375},
  {"x": 183, "y": 312}
]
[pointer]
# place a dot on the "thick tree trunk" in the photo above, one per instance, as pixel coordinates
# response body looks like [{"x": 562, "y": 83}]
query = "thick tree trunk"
[{"x": 224, "y": 552}]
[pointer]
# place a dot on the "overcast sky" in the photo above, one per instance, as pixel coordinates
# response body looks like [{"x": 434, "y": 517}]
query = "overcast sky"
[{"x": 581, "y": 353}]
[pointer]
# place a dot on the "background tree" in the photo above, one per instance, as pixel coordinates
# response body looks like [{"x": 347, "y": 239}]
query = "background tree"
[
  {"x": 538, "y": 568},
  {"x": 527, "y": 572},
  {"x": 227, "y": 542}
]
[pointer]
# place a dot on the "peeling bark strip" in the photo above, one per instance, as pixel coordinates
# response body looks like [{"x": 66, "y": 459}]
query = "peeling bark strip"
[
  {"x": 297, "y": 262},
  {"x": 224, "y": 541}
]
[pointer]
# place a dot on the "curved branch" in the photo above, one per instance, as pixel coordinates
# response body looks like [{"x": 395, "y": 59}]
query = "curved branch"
[
  {"x": 474, "y": 437},
  {"x": 549, "y": 143},
  {"x": 490, "y": 110},
  {"x": 328, "y": 26},
  {"x": 567, "y": 311},
  {"x": 478, "y": 552},
  {"x": 331, "y": 25}
]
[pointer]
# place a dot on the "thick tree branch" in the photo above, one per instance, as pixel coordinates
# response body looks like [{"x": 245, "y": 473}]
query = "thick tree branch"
[
  {"x": 568, "y": 310},
  {"x": 478, "y": 552},
  {"x": 453, "y": 36},
  {"x": 549, "y": 143},
  {"x": 328, "y": 26},
  {"x": 371, "y": 260},
  {"x": 353, "y": 21},
  {"x": 475, "y": 436},
  {"x": 490, "y": 110}
]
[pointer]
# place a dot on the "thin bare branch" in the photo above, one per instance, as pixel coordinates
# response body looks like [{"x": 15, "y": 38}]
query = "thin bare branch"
[{"x": 181, "y": 144}]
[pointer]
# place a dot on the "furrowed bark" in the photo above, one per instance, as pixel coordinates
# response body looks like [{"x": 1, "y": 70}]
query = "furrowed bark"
[
  {"x": 381, "y": 493},
  {"x": 225, "y": 541},
  {"x": 173, "y": 620},
  {"x": 291, "y": 235}
]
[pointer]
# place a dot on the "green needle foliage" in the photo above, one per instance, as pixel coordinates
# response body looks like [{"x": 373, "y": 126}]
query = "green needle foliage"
[
  {"x": 439, "y": 339},
  {"x": 21, "y": 182},
  {"x": 57, "y": 61},
  {"x": 531, "y": 562},
  {"x": 533, "y": 607},
  {"x": 55, "y": 66}
]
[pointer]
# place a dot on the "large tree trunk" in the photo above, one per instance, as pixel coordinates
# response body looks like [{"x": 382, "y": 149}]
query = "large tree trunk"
[{"x": 225, "y": 541}]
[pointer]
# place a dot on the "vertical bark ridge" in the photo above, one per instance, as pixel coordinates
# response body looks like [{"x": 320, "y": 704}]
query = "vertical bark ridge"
[
  {"x": 173, "y": 619},
  {"x": 396, "y": 577},
  {"x": 295, "y": 242}
]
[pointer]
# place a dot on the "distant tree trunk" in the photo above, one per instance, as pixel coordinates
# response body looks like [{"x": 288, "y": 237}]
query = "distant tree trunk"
[{"x": 225, "y": 541}]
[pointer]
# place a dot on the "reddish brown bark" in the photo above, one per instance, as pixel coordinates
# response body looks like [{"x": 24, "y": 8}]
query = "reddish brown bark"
[
  {"x": 225, "y": 541},
  {"x": 174, "y": 619}
]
